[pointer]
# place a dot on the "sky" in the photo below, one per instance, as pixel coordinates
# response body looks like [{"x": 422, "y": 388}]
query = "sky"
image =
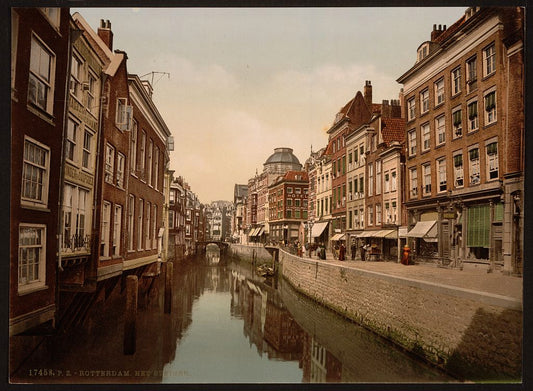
[{"x": 232, "y": 84}]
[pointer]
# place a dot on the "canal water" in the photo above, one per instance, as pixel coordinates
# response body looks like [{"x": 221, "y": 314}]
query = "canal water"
[{"x": 227, "y": 325}]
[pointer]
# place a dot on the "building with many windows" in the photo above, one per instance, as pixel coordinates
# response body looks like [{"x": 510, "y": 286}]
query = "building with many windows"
[
  {"x": 464, "y": 103},
  {"x": 288, "y": 200},
  {"x": 39, "y": 73}
]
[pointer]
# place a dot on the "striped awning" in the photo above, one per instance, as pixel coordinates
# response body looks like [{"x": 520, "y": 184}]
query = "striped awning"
[
  {"x": 380, "y": 233},
  {"x": 426, "y": 230},
  {"x": 337, "y": 237}
]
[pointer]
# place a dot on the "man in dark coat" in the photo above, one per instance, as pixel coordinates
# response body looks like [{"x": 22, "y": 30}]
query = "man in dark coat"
[{"x": 342, "y": 252}]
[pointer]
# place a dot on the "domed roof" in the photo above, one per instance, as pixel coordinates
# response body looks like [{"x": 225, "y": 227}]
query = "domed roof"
[{"x": 282, "y": 155}]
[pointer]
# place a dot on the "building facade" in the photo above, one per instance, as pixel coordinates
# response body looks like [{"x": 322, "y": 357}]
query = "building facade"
[
  {"x": 288, "y": 202},
  {"x": 464, "y": 103},
  {"x": 39, "y": 71}
]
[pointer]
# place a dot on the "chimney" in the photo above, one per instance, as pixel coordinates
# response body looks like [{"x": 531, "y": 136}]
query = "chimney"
[
  {"x": 105, "y": 33},
  {"x": 401, "y": 102},
  {"x": 368, "y": 94},
  {"x": 385, "y": 109},
  {"x": 437, "y": 32}
]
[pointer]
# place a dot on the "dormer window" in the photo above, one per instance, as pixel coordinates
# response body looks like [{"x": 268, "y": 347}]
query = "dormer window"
[{"x": 423, "y": 51}]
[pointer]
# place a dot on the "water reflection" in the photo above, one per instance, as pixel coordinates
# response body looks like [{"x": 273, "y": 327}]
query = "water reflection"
[{"x": 227, "y": 325}]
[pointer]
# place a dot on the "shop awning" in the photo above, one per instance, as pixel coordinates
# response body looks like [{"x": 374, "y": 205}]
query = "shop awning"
[
  {"x": 337, "y": 237},
  {"x": 426, "y": 230},
  {"x": 380, "y": 233},
  {"x": 318, "y": 228},
  {"x": 254, "y": 231},
  {"x": 260, "y": 231}
]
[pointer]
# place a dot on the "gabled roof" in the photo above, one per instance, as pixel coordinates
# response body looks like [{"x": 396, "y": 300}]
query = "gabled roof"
[{"x": 292, "y": 176}]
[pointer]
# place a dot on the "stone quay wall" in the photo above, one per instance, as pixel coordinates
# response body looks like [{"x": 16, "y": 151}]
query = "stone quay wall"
[
  {"x": 469, "y": 334},
  {"x": 248, "y": 252}
]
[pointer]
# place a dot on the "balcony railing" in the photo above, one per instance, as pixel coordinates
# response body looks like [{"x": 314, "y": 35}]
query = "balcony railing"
[{"x": 76, "y": 243}]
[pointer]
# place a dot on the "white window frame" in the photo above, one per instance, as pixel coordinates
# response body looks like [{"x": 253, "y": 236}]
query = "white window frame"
[
  {"x": 441, "y": 171},
  {"x": 75, "y": 222},
  {"x": 490, "y": 115},
  {"x": 457, "y": 128},
  {"x": 28, "y": 168},
  {"x": 53, "y": 14},
  {"x": 471, "y": 73},
  {"x": 106, "y": 229},
  {"x": 131, "y": 222},
  {"x": 156, "y": 168},
  {"x": 87, "y": 147},
  {"x": 71, "y": 150},
  {"x": 411, "y": 107},
  {"x": 413, "y": 181},
  {"x": 149, "y": 164},
  {"x": 42, "y": 83},
  {"x": 140, "y": 224},
  {"x": 440, "y": 130},
  {"x": 133, "y": 147},
  {"x": 394, "y": 181},
  {"x": 439, "y": 91},
  {"x": 378, "y": 177},
  {"x": 142, "y": 154},
  {"x": 458, "y": 170},
  {"x": 147, "y": 231},
  {"x": 489, "y": 60},
  {"x": 473, "y": 123},
  {"x": 76, "y": 76},
  {"x": 474, "y": 167},
  {"x": 154, "y": 227},
  {"x": 27, "y": 286},
  {"x": 92, "y": 83},
  {"x": 370, "y": 211},
  {"x": 378, "y": 214},
  {"x": 386, "y": 182},
  {"x": 426, "y": 179},
  {"x": 412, "y": 142},
  {"x": 424, "y": 101},
  {"x": 370, "y": 187},
  {"x": 123, "y": 115},
  {"x": 109, "y": 167},
  {"x": 492, "y": 161},
  {"x": 121, "y": 164},
  {"x": 117, "y": 230},
  {"x": 425, "y": 131},
  {"x": 171, "y": 219},
  {"x": 456, "y": 80}
]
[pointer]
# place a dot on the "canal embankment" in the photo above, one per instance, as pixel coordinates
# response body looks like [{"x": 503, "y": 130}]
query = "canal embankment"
[{"x": 471, "y": 333}]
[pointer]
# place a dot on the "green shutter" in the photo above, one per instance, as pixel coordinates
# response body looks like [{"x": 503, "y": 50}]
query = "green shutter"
[
  {"x": 478, "y": 228},
  {"x": 457, "y": 118},
  {"x": 472, "y": 110},
  {"x": 498, "y": 212},
  {"x": 490, "y": 101}
]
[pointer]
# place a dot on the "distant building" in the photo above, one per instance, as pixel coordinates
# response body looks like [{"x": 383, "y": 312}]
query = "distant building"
[
  {"x": 288, "y": 200},
  {"x": 281, "y": 161}
]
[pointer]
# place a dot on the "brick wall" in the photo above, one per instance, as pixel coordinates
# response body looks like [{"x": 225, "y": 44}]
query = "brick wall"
[
  {"x": 471, "y": 335},
  {"x": 243, "y": 251}
]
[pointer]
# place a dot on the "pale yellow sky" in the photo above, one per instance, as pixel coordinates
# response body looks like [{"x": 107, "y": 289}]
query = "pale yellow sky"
[{"x": 245, "y": 81}]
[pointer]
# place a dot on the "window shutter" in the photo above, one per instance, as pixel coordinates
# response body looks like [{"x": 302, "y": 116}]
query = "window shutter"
[
  {"x": 457, "y": 118},
  {"x": 498, "y": 212},
  {"x": 474, "y": 154},
  {"x": 472, "y": 110},
  {"x": 478, "y": 228},
  {"x": 458, "y": 160}
]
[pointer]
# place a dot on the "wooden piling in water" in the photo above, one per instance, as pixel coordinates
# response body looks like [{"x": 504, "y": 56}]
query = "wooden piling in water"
[
  {"x": 169, "y": 271},
  {"x": 130, "y": 332}
]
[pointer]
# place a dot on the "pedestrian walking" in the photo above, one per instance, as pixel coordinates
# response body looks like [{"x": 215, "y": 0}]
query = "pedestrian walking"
[
  {"x": 353, "y": 249},
  {"x": 363, "y": 252},
  {"x": 342, "y": 252}
]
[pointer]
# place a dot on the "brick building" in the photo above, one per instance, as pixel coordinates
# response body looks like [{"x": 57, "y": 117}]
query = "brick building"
[
  {"x": 355, "y": 113},
  {"x": 464, "y": 104},
  {"x": 288, "y": 200},
  {"x": 78, "y": 180},
  {"x": 176, "y": 219},
  {"x": 39, "y": 64}
]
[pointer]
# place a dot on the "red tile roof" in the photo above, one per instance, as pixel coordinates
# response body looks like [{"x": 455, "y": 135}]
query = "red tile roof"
[
  {"x": 291, "y": 176},
  {"x": 451, "y": 30},
  {"x": 393, "y": 129}
]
